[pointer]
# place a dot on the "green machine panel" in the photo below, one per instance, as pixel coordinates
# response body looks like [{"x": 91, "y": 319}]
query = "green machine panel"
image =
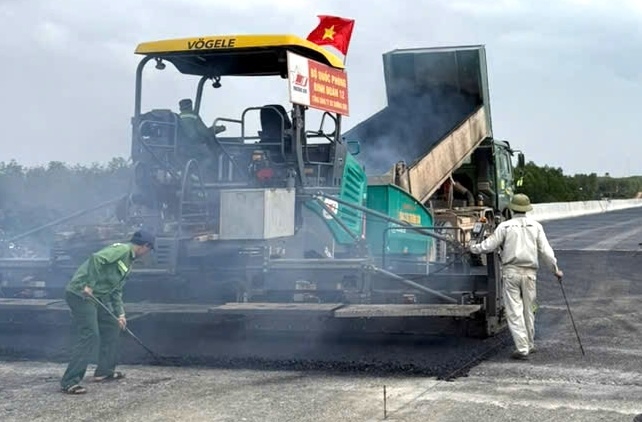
[
  {"x": 353, "y": 190},
  {"x": 398, "y": 204}
]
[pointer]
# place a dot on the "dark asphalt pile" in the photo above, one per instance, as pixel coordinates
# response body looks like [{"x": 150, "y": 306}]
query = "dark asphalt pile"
[{"x": 444, "y": 358}]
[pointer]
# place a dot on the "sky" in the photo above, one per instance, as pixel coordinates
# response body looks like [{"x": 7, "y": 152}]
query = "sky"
[{"x": 564, "y": 75}]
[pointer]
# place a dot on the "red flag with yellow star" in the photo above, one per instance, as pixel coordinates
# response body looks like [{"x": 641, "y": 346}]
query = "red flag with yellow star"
[{"x": 334, "y": 31}]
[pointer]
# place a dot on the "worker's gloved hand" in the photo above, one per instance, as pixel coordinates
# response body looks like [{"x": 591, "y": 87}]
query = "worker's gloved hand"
[
  {"x": 88, "y": 291},
  {"x": 122, "y": 322},
  {"x": 219, "y": 128},
  {"x": 559, "y": 274}
]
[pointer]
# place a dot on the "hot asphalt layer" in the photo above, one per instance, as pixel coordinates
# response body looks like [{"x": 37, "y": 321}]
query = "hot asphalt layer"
[{"x": 316, "y": 381}]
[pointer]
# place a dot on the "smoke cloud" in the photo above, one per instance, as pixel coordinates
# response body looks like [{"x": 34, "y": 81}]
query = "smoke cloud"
[
  {"x": 429, "y": 94},
  {"x": 408, "y": 129}
]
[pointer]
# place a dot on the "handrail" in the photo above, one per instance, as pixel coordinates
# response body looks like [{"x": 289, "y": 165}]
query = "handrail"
[
  {"x": 148, "y": 147},
  {"x": 282, "y": 141},
  {"x": 184, "y": 186}
]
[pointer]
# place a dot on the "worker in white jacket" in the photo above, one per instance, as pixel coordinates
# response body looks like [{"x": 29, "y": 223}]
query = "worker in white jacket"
[{"x": 522, "y": 242}]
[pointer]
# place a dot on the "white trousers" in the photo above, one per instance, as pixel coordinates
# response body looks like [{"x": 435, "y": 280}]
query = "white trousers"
[{"x": 519, "y": 296}]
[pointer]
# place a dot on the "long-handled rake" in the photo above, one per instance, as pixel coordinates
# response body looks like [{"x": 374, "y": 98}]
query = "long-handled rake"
[
  {"x": 571, "y": 315},
  {"x": 156, "y": 356}
]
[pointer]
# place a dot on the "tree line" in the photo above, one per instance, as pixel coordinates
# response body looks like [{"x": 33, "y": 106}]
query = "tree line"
[
  {"x": 32, "y": 196},
  {"x": 550, "y": 184}
]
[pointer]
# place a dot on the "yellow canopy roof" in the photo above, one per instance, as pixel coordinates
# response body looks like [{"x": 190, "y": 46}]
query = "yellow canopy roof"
[{"x": 239, "y": 55}]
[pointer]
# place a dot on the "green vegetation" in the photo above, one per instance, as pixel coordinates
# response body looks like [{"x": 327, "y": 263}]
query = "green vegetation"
[
  {"x": 33, "y": 196},
  {"x": 548, "y": 184}
]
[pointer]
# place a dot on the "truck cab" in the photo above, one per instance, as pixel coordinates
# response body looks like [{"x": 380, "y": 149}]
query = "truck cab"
[{"x": 489, "y": 177}]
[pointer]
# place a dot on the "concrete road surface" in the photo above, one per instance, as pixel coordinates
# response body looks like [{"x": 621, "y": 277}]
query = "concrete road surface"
[{"x": 604, "y": 285}]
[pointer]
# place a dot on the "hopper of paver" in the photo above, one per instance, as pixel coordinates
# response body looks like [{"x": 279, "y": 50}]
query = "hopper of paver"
[{"x": 438, "y": 112}]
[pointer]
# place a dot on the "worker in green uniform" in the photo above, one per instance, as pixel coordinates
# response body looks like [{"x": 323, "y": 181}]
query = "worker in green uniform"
[
  {"x": 196, "y": 132},
  {"x": 196, "y": 136},
  {"x": 101, "y": 277}
]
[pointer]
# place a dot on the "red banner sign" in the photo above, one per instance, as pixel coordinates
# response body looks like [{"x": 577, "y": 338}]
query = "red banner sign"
[
  {"x": 318, "y": 86},
  {"x": 329, "y": 88}
]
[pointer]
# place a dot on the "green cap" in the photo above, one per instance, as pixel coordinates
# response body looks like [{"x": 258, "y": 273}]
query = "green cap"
[
  {"x": 142, "y": 237},
  {"x": 185, "y": 104}
]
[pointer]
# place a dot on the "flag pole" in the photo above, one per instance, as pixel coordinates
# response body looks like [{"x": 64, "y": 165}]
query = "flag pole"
[{"x": 345, "y": 57}]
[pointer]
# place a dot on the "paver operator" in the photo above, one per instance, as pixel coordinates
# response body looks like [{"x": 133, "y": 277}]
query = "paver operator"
[
  {"x": 522, "y": 242},
  {"x": 196, "y": 131},
  {"x": 197, "y": 136},
  {"x": 101, "y": 277}
]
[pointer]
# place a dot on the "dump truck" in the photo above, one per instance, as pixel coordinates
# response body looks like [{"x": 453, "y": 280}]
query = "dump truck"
[
  {"x": 438, "y": 124},
  {"x": 300, "y": 227}
]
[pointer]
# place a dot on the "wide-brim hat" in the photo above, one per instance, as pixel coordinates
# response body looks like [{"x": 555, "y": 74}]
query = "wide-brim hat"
[{"x": 520, "y": 203}]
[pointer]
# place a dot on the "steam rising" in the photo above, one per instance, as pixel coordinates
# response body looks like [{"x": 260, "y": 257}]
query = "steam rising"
[
  {"x": 430, "y": 92},
  {"x": 410, "y": 127}
]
